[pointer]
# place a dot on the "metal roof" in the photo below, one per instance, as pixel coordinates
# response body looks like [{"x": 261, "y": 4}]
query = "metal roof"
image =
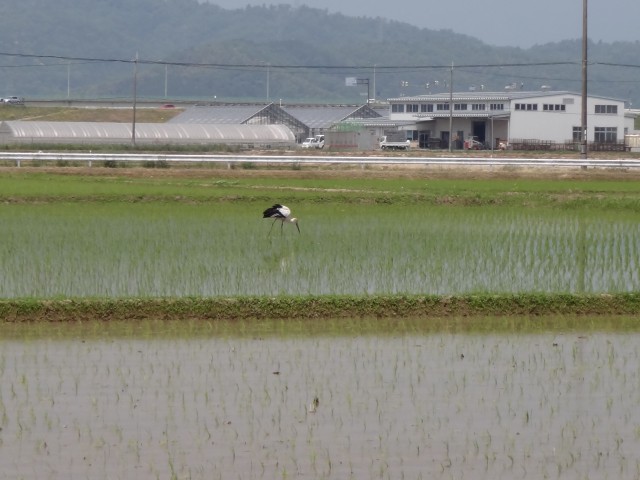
[
  {"x": 459, "y": 114},
  {"x": 149, "y": 132},
  {"x": 379, "y": 122},
  {"x": 218, "y": 114},
  {"x": 323, "y": 116},
  {"x": 309, "y": 116},
  {"x": 506, "y": 96},
  {"x": 444, "y": 97}
]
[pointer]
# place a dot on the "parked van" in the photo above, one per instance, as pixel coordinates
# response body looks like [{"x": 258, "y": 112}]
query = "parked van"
[{"x": 313, "y": 142}]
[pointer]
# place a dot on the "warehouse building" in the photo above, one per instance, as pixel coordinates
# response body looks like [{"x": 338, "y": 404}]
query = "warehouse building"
[{"x": 544, "y": 119}]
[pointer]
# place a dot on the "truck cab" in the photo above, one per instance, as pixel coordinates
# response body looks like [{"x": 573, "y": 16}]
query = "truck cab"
[
  {"x": 308, "y": 142},
  {"x": 313, "y": 142}
]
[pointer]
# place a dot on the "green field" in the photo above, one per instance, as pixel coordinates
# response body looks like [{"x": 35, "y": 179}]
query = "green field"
[
  {"x": 423, "y": 323},
  {"x": 134, "y": 234}
]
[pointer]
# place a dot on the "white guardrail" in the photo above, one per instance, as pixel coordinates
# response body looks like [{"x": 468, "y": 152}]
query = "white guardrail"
[{"x": 93, "y": 159}]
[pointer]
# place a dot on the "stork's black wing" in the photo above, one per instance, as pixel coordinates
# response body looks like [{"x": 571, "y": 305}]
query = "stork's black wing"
[{"x": 273, "y": 212}]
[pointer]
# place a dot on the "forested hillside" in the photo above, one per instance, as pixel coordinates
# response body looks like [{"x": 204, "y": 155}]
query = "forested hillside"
[{"x": 85, "y": 48}]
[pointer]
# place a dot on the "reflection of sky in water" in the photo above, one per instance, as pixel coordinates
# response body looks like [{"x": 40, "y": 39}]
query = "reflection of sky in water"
[{"x": 459, "y": 406}]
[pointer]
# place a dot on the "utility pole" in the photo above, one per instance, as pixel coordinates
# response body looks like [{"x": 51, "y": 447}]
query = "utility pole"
[
  {"x": 583, "y": 150},
  {"x": 135, "y": 99},
  {"x": 268, "y": 75},
  {"x": 166, "y": 75},
  {"x": 451, "y": 109},
  {"x": 374, "y": 82}
]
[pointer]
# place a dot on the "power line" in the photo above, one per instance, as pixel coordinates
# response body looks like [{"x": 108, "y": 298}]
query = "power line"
[
  {"x": 405, "y": 68},
  {"x": 282, "y": 66}
]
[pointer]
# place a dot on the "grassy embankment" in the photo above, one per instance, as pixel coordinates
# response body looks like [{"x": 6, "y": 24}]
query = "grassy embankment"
[
  {"x": 65, "y": 194},
  {"x": 75, "y": 114},
  {"x": 323, "y": 307}
]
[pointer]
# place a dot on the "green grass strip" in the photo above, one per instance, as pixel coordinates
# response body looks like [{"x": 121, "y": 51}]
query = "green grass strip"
[{"x": 317, "y": 307}]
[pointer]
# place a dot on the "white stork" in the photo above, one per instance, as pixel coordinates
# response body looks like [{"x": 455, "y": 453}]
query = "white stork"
[{"x": 282, "y": 213}]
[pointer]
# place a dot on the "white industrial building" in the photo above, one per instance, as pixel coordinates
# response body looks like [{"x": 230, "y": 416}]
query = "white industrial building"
[{"x": 546, "y": 118}]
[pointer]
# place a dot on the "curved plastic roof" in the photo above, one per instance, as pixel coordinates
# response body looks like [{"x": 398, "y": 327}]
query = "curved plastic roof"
[{"x": 99, "y": 132}]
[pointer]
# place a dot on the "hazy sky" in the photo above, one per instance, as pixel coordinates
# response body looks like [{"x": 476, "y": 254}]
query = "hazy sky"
[{"x": 496, "y": 22}]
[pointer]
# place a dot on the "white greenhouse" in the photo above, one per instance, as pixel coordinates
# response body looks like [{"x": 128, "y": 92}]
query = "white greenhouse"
[{"x": 27, "y": 132}]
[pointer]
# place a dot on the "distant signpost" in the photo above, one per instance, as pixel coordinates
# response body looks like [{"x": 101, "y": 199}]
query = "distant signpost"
[{"x": 355, "y": 81}]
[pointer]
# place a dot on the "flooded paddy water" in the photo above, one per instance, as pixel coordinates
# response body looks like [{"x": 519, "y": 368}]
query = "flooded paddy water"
[{"x": 403, "y": 403}]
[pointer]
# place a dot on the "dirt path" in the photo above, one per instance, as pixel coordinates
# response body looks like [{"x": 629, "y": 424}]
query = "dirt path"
[{"x": 324, "y": 172}]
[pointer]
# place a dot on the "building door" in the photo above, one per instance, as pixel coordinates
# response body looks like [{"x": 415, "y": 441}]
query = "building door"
[
  {"x": 423, "y": 139},
  {"x": 479, "y": 130},
  {"x": 444, "y": 139}
]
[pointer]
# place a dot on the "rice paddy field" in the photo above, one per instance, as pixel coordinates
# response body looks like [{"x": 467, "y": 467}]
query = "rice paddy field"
[
  {"x": 349, "y": 400},
  {"x": 66, "y": 236},
  {"x": 374, "y": 396}
]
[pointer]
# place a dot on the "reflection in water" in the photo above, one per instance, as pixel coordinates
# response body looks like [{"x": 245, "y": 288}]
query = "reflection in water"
[{"x": 406, "y": 406}]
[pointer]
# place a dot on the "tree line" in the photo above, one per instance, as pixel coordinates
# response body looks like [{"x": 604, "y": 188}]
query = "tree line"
[{"x": 87, "y": 48}]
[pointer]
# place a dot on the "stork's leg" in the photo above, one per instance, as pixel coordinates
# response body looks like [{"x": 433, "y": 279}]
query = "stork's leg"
[
  {"x": 274, "y": 222},
  {"x": 281, "y": 227}
]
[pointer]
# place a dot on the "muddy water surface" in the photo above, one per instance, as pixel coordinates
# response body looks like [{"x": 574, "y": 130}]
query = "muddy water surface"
[{"x": 408, "y": 406}]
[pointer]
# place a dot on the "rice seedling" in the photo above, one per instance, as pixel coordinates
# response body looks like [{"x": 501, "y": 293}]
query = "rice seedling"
[{"x": 141, "y": 250}]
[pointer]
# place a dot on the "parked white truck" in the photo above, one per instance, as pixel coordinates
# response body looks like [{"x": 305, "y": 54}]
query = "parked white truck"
[
  {"x": 314, "y": 142},
  {"x": 395, "y": 141}
]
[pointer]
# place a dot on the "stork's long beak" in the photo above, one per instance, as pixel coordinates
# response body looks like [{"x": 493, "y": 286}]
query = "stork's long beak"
[{"x": 297, "y": 227}]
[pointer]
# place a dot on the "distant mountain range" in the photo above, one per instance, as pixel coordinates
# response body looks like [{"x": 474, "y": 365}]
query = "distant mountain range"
[{"x": 188, "y": 50}]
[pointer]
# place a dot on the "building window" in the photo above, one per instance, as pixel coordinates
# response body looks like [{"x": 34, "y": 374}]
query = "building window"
[
  {"x": 426, "y": 107},
  {"x": 577, "y": 134},
  {"x": 530, "y": 107},
  {"x": 459, "y": 106},
  {"x": 442, "y": 106},
  {"x": 554, "y": 107},
  {"x": 478, "y": 106},
  {"x": 607, "y": 109},
  {"x": 605, "y": 135},
  {"x": 397, "y": 108},
  {"x": 497, "y": 106},
  {"x": 411, "y": 107}
]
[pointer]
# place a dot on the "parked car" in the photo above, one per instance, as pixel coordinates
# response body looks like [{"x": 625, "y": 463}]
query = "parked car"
[
  {"x": 313, "y": 142},
  {"x": 308, "y": 143},
  {"x": 13, "y": 100}
]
